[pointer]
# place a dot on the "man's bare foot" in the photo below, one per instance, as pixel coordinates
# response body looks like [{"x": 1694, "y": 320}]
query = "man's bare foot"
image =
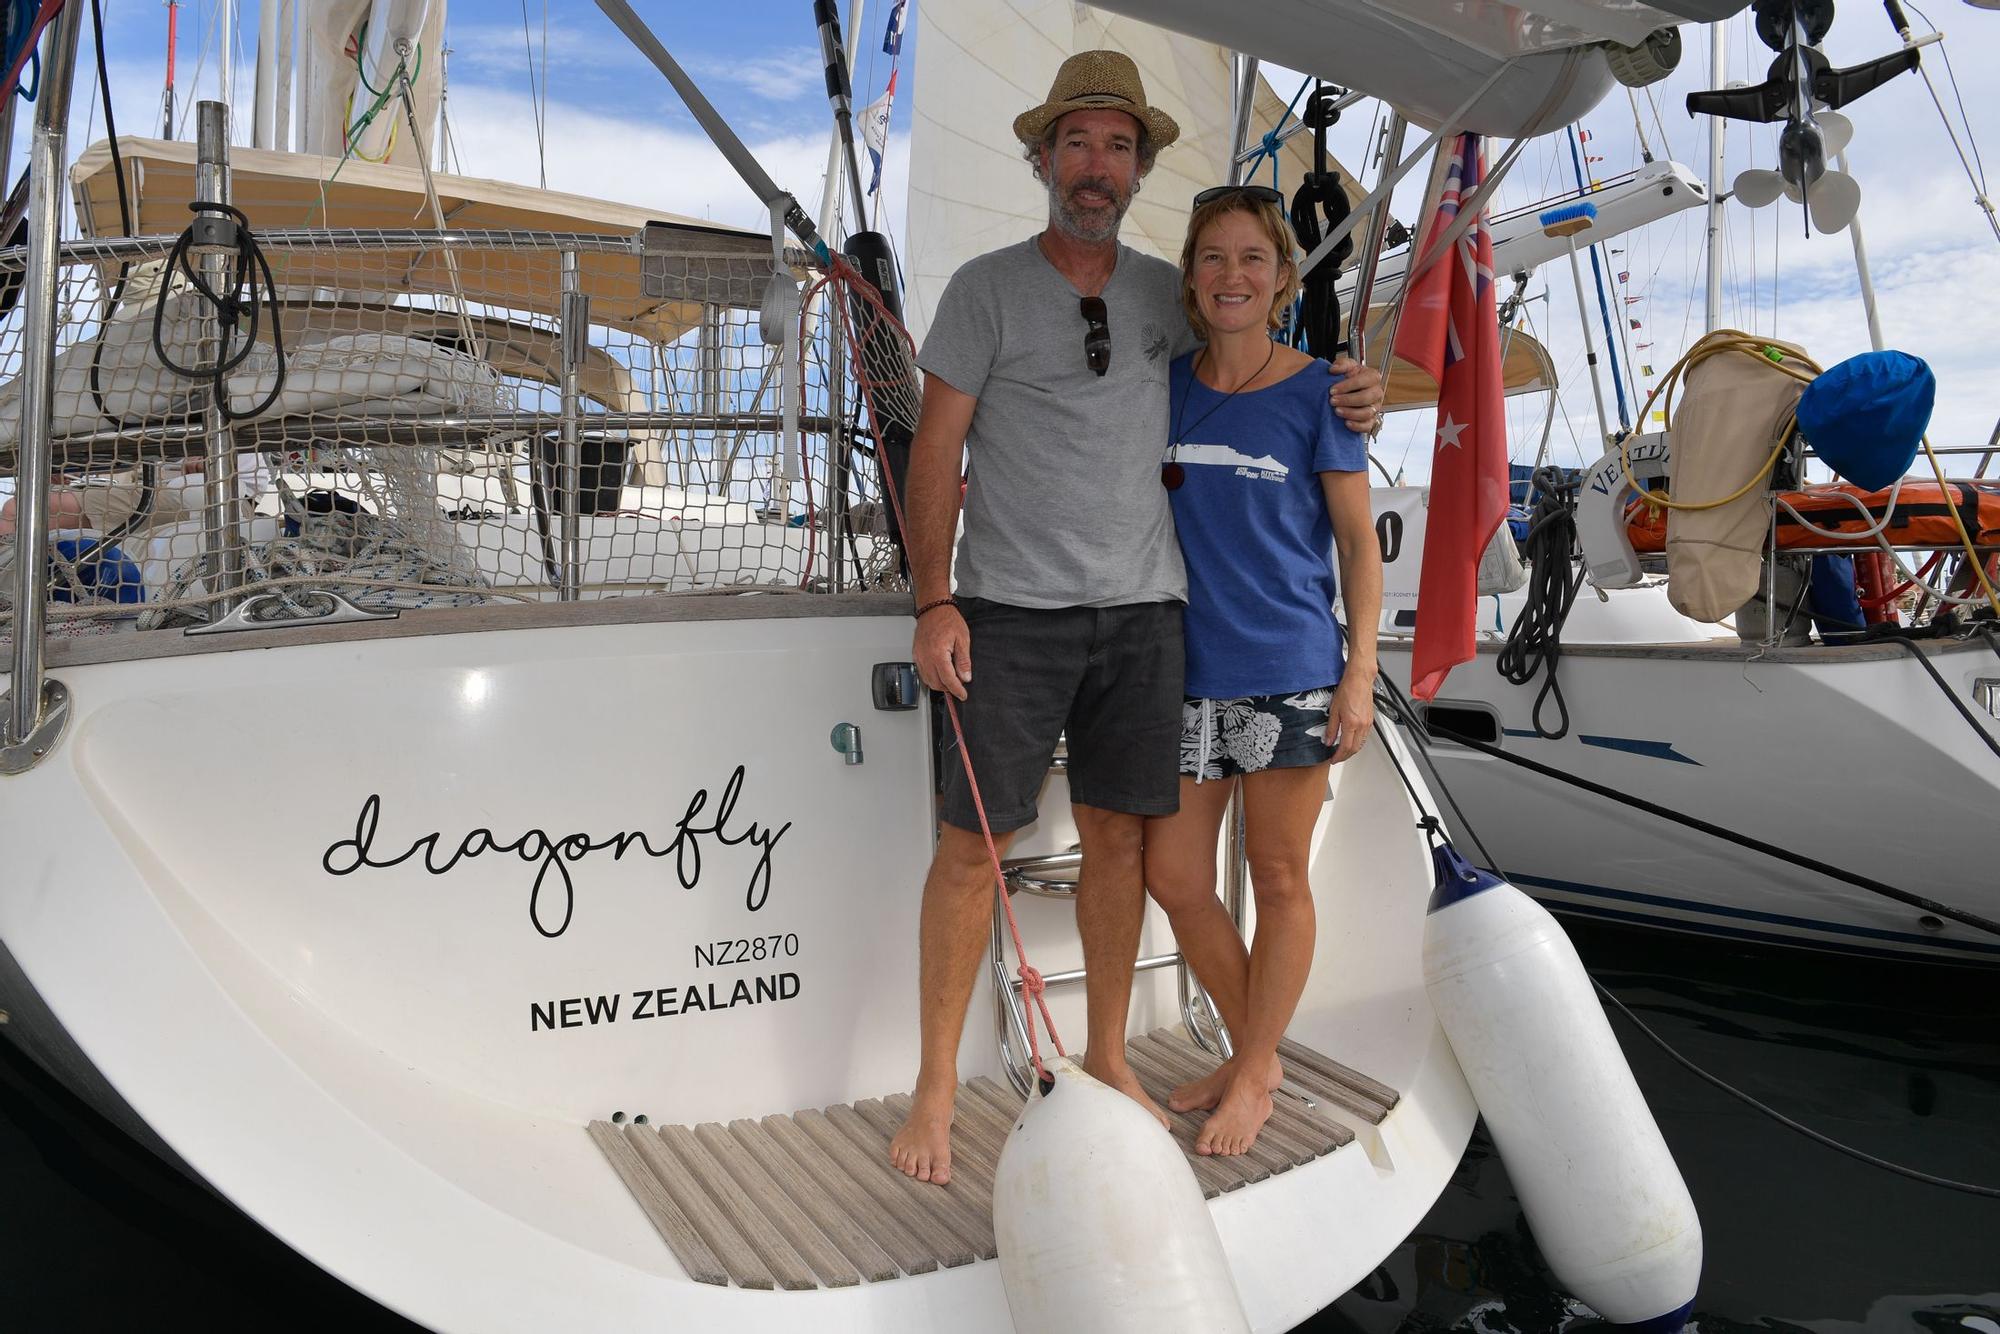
[
  {"x": 1120, "y": 1077},
  {"x": 1200, "y": 1094},
  {"x": 1232, "y": 1127},
  {"x": 922, "y": 1148}
]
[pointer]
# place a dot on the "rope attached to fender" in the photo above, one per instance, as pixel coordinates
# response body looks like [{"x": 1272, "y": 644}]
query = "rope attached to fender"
[{"x": 849, "y": 281}]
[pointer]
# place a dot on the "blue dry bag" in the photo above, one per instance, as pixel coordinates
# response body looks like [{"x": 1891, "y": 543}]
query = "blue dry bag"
[{"x": 1866, "y": 416}]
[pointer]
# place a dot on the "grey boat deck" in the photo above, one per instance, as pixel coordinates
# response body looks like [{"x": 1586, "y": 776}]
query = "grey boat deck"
[{"x": 809, "y": 1200}]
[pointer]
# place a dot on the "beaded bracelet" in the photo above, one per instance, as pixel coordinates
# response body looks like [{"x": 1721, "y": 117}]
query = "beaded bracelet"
[{"x": 933, "y": 606}]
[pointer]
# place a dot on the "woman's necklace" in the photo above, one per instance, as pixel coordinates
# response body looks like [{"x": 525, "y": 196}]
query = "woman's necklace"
[{"x": 1172, "y": 474}]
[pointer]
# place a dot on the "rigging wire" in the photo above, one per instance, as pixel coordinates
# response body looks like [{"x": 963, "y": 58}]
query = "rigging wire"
[
  {"x": 1975, "y": 169},
  {"x": 1826, "y": 1141},
  {"x": 200, "y": 61},
  {"x": 534, "y": 95}
]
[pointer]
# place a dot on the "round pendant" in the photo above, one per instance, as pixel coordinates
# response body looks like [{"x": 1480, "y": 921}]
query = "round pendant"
[{"x": 1172, "y": 475}]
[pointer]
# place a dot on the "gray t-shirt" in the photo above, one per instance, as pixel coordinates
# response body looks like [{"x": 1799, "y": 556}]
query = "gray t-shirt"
[{"x": 1063, "y": 502}]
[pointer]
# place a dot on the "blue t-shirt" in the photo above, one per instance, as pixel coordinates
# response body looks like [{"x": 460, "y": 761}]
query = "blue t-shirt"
[{"x": 1255, "y": 531}]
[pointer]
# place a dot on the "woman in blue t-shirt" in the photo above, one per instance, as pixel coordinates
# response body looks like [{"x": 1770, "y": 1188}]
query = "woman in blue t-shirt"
[{"x": 1267, "y": 484}]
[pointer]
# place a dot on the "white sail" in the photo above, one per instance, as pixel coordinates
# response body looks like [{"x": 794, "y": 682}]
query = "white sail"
[{"x": 985, "y": 62}]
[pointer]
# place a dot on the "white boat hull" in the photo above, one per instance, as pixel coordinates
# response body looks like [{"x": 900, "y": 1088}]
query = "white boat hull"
[
  {"x": 391, "y": 1069},
  {"x": 1850, "y": 756}
]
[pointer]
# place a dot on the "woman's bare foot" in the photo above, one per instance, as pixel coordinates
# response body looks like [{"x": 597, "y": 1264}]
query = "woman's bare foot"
[
  {"x": 1120, "y": 1077},
  {"x": 922, "y": 1148},
  {"x": 1198, "y": 1095},
  {"x": 1232, "y": 1127}
]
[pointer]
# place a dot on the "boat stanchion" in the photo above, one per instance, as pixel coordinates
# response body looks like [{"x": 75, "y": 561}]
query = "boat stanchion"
[
  {"x": 37, "y": 709},
  {"x": 221, "y": 488}
]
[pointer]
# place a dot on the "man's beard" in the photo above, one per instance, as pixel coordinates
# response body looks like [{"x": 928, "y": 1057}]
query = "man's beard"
[{"x": 1089, "y": 224}]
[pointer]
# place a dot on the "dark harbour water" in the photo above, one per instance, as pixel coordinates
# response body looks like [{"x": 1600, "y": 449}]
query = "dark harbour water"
[{"x": 1901, "y": 1060}]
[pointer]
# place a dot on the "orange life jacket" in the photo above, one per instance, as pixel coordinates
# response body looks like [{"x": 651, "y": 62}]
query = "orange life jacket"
[{"x": 1922, "y": 520}]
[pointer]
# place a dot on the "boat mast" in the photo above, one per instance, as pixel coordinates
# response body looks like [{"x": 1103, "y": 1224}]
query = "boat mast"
[
  {"x": 167, "y": 98},
  {"x": 281, "y": 111},
  {"x": 444, "y": 109},
  {"x": 264, "y": 113},
  {"x": 1242, "y": 101},
  {"x": 226, "y": 67},
  {"x": 1861, "y": 270},
  {"x": 1718, "y": 77},
  {"x": 829, "y": 197}
]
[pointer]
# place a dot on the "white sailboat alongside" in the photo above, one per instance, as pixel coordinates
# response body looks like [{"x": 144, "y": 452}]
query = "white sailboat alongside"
[
  {"x": 1735, "y": 775},
  {"x": 505, "y": 894}
]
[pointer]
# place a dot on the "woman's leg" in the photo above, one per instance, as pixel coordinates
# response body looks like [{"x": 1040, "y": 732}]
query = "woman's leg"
[
  {"x": 1280, "y": 807},
  {"x": 1180, "y": 875}
]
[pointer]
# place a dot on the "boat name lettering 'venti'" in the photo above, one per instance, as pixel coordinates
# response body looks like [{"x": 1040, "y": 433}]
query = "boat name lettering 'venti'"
[{"x": 349, "y": 855}]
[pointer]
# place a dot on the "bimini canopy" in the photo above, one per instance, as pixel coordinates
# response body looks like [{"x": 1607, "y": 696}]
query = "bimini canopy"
[
  {"x": 722, "y": 265},
  {"x": 1525, "y": 367},
  {"x": 1546, "y": 59}
]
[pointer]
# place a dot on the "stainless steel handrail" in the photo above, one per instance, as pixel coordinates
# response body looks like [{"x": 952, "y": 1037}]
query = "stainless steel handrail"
[
  {"x": 112, "y": 249},
  {"x": 1028, "y": 874}
]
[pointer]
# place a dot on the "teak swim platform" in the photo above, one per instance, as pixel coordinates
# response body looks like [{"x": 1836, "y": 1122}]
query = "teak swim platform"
[{"x": 810, "y": 1199}]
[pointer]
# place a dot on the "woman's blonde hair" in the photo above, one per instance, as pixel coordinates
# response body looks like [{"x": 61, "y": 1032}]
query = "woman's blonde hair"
[{"x": 1285, "y": 245}]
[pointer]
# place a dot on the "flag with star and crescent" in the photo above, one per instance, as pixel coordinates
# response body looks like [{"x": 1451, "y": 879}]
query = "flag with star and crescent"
[{"x": 1450, "y": 329}]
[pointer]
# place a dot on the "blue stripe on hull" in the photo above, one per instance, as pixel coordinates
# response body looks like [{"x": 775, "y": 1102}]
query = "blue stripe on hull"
[
  {"x": 1562, "y": 908},
  {"x": 1655, "y": 750},
  {"x": 1936, "y": 946},
  {"x": 1753, "y": 915}
]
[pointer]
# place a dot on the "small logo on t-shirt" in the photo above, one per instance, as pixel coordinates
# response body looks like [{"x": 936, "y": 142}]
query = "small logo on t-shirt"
[
  {"x": 1156, "y": 343},
  {"x": 1261, "y": 469}
]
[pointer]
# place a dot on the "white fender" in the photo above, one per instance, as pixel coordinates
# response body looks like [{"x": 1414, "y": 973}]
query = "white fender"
[
  {"x": 1100, "y": 1223},
  {"x": 1607, "y": 1205}
]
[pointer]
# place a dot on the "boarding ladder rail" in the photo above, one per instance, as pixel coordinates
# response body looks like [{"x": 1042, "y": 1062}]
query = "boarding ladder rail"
[{"x": 1056, "y": 875}]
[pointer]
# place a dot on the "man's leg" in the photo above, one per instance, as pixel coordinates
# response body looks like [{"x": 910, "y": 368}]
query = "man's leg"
[
  {"x": 955, "y": 927},
  {"x": 1110, "y": 909}
]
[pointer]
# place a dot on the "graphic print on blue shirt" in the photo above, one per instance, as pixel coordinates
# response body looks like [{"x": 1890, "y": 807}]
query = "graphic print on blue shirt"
[{"x": 1255, "y": 532}]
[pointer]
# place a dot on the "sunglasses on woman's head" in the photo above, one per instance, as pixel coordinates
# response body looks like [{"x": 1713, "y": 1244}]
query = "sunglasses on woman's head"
[
  {"x": 1097, "y": 337},
  {"x": 1263, "y": 194}
]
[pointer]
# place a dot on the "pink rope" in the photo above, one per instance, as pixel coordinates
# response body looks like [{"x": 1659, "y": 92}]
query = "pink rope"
[{"x": 846, "y": 282}]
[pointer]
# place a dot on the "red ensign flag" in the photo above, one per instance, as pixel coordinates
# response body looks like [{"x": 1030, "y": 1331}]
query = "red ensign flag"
[{"x": 1449, "y": 329}]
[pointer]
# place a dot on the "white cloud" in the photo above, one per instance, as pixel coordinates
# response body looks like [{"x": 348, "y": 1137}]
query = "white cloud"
[
  {"x": 634, "y": 162},
  {"x": 785, "y": 75}
]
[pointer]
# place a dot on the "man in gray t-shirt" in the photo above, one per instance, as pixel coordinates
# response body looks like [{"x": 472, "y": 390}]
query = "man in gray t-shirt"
[{"x": 1046, "y": 368}]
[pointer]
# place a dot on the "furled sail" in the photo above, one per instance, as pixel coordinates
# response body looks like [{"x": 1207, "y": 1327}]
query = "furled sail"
[{"x": 986, "y": 61}]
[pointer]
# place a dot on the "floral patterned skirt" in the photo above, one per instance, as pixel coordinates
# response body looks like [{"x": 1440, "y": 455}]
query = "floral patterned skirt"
[{"x": 1221, "y": 738}]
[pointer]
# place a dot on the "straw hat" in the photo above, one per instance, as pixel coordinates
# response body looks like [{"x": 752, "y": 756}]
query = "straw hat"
[{"x": 1091, "y": 81}]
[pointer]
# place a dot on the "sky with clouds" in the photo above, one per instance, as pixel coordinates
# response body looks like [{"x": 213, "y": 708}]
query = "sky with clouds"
[{"x": 614, "y": 129}]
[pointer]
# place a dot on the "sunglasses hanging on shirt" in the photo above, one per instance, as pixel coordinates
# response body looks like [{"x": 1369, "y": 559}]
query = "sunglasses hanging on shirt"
[{"x": 1096, "y": 337}]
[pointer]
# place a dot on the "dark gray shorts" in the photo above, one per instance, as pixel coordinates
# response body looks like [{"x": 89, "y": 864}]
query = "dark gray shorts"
[{"x": 1109, "y": 677}]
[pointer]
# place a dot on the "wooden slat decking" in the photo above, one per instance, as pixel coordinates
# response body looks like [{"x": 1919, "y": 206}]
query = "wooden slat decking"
[{"x": 809, "y": 1200}]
